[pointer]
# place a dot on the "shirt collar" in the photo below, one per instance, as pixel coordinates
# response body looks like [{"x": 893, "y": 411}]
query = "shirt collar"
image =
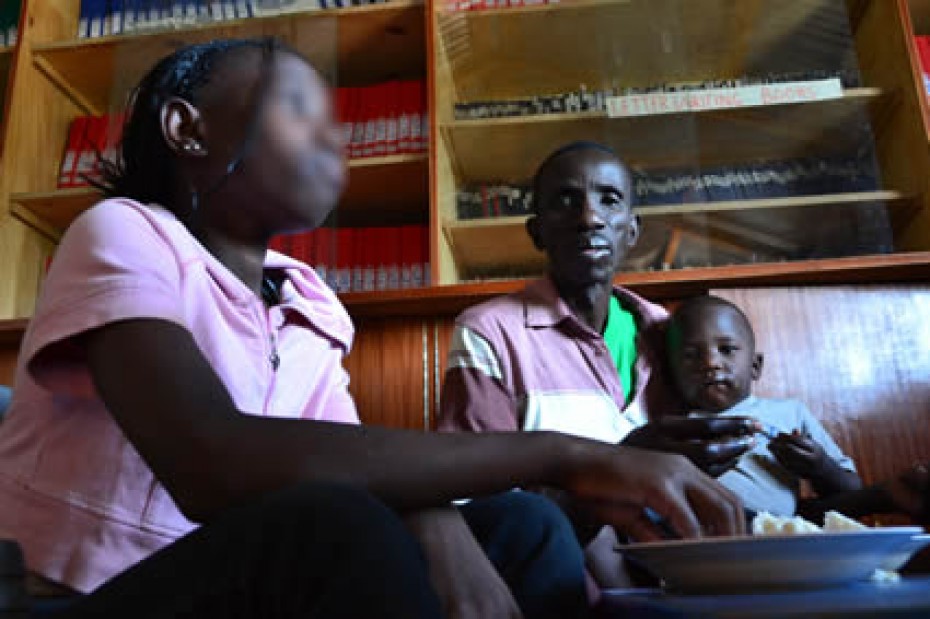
[
  {"x": 544, "y": 308},
  {"x": 305, "y": 293}
]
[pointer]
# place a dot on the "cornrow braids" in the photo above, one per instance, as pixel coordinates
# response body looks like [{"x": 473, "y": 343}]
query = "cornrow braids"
[{"x": 145, "y": 166}]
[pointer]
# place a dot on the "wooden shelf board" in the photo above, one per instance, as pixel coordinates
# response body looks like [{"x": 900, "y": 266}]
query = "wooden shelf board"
[
  {"x": 658, "y": 285},
  {"x": 351, "y": 46},
  {"x": 12, "y": 330},
  {"x": 382, "y": 190},
  {"x": 509, "y": 149},
  {"x": 450, "y": 300},
  {"x": 768, "y": 227},
  {"x": 495, "y": 53}
]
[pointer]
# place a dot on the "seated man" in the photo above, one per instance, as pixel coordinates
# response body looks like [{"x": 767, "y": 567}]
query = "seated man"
[
  {"x": 713, "y": 361},
  {"x": 571, "y": 352}
]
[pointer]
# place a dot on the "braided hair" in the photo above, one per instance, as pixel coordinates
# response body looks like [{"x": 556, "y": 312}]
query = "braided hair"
[{"x": 145, "y": 167}]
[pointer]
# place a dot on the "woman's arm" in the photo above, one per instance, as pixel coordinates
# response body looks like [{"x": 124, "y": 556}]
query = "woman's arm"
[{"x": 180, "y": 417}]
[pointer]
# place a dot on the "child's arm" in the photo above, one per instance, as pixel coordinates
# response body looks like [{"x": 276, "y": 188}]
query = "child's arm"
[
  {"x": 807, "y": 458},
  {"x": 907, "y": 493}
]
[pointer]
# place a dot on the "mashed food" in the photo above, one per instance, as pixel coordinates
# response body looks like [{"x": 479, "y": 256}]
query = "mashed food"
[{"x": 833, "y": 522}]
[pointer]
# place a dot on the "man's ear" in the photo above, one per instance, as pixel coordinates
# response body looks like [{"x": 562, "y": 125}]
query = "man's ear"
[
  {"x": 182, "y": 128},
  {"x": 532, "y": 228},
  {"x": 757, "y": 362},
  {"x": 633, "y": 232}
]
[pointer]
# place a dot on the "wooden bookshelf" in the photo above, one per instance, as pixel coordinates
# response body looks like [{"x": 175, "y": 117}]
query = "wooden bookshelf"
[
  {"x": 540, "y": 49},
  {"x": 382, "y": 191},
  {"x": 776, "y": 227},
  {"x": 6, "y": 59},
  {"x": 509, "y": 148},
  {"x": 96, "y": 73}
]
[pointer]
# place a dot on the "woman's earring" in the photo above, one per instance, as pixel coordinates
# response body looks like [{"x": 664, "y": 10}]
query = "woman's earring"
[{"x": 191, "y": 147}]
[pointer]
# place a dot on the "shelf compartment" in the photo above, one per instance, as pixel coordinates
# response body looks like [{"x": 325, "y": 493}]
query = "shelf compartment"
[
  {"x": 382, "y": 190},
  {"x": 509, "y": 149},
  {"x": 767, "y": 227},
  {"x": 547, "y": 49},
  {"x": 351, "y": 46}
]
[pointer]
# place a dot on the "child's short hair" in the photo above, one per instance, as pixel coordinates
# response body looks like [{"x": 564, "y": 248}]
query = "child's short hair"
[{"x": 695, "y": 304}]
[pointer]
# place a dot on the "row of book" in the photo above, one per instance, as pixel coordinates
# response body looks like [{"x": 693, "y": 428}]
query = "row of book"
[
  {"x": 478, "y": 5},
  {"x": 9, "y": 22},
  {"x": 593, "y": 100},
  {"x": 363, "y": 259},
  {"x": 811, "y": 176},
  {"x": 384, "y": 119},
  {"x": 100, "y": 18}
]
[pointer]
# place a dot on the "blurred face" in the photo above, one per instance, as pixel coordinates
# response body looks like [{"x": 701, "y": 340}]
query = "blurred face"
[
  {"x": 712, "y": 358},
  {"x": 294, "y": 170},
  {"x": 584, "y": 220}
]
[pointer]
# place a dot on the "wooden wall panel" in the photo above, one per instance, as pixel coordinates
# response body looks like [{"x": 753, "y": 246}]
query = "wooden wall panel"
[
  {"x": 859, "y": 357},
  {"x": 388, "y": 369}
]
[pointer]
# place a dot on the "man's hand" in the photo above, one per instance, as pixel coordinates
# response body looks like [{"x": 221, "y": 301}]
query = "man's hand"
[
  {"x": 618, "y": 484},
  {"x": 713, "y": 444},
  {"x": 465, "y": 580}
]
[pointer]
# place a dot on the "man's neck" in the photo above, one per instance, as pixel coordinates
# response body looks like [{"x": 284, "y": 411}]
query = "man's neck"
[{"x": 589, "y": 303}]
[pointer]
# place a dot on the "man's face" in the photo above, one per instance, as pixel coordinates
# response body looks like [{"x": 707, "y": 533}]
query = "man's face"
[
  {"x": 712, "y": 358},
  {"x": 584, "y": 220}
]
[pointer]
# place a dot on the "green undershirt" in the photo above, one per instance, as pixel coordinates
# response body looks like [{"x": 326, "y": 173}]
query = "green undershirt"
[{"x": 620, "y": 337}]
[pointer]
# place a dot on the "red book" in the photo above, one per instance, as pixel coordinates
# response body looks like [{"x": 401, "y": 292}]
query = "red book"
[
  {"x": 424, "y": 260},
  {"x": 392, "y": 257},
  {"x": 404, "y": 126},
  {"x": 277, "y": 244},
  {"x": 321, "y": 249},
  {"x": 301, "y": 246},
  {"x": 413, "y": 112},
  {"x": 345, "y": 247},
  {"x": 357, "y": 107},
  {"x": 393, "y": 117},
  {"x": 369, "y": 116},
  {"x": 342, "y": 113},
  {"x": 409, "y": 256},
  {"x": 114, "y": 135},
  {"x": 66, "y": 176},
  {"x": 86, "y": 155},
  {"x": 423, "y": 145},
  {"x": 382, "y": 110}
]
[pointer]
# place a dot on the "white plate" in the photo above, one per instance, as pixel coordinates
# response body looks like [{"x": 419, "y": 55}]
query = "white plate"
[{"x": 778, "y": 561}]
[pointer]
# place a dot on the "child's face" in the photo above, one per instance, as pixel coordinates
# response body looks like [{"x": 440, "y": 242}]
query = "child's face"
[{"x": 712, "y": 358}]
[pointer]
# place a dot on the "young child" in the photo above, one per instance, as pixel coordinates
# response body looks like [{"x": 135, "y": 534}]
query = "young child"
[
  {"x": 181, "y": 440},
  {"x": 713, "y": 362}
]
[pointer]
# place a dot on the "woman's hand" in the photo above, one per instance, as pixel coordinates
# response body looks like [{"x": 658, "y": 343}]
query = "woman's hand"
[
  {"x": 713, "y": 444},
  {"x": 618, "y": 484}
]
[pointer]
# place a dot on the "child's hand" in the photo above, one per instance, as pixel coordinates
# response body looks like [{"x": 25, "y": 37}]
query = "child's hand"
[
  {"x": 910, "y": 493},
  {"x": 799, "y": 454}
]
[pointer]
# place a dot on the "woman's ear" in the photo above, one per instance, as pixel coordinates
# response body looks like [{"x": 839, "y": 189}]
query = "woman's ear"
[
  {"x": 182, "y": 128},
  {"x": 532, "y": 228}
]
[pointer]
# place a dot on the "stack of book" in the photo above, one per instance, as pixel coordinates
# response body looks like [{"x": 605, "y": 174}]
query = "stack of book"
[
  {"x": 100, "y": 18},
  {"x": 363, "y": 259},
  {"x": 384, "y": 119},
  {"x": 478, "y": 5},
  {"x": 772, "y": 179},
  {"x": 595, "y": 101},
  {"x": 9, "y": 21},
  {"x": 91, "y": 139},
  {"x": 923, "y": 52}
]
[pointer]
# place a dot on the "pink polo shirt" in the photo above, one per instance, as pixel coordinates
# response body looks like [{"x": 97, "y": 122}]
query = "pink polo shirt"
[
  {"x": 74, "y": 492},
  {"x": 524, "y": 361}
]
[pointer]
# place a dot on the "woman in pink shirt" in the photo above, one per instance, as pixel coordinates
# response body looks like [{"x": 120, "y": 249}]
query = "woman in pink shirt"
[{"x": 181, "y": 440}]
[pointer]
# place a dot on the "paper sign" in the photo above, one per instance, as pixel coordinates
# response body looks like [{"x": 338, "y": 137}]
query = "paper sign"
[{"x": 654, "y": 103}]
